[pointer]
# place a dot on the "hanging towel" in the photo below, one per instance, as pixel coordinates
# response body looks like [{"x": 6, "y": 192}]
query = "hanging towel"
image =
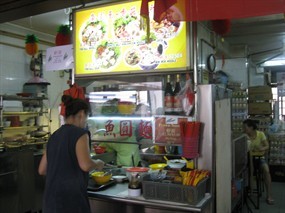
[{"x": 74, "y": 91}]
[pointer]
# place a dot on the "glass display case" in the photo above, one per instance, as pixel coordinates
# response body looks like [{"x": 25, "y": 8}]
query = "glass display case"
[{"x": 131, "y": 116}]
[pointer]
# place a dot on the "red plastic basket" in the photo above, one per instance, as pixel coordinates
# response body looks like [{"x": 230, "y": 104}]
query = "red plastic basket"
[{"x": 190, "y": 134}]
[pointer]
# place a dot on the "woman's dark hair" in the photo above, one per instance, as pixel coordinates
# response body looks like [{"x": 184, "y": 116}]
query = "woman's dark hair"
[
  {"x": 251, "y": 123},
  {"x": 74, "y": 105}
]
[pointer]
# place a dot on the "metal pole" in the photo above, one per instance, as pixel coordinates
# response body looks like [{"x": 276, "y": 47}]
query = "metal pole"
[{"x": 195, "y": 67}]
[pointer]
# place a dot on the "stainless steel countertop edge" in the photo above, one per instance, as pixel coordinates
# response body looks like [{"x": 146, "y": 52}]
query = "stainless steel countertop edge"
[{"x": 108, "y": 195}]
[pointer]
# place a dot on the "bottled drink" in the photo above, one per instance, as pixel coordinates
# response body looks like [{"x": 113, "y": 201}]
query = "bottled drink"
[
  {"x": 177, "y": 103},
  {"x": 168, "y": 97}
]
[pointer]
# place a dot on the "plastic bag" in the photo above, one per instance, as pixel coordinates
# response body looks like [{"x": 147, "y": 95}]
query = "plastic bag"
[{"x": 187, "y": 96}]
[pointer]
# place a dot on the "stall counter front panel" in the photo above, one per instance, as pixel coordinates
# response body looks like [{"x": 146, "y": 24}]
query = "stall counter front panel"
[{"x": 121, "y": 202}]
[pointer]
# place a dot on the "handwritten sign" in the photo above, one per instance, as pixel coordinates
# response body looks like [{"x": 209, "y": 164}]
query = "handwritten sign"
[{"x": 59, "y": 58}]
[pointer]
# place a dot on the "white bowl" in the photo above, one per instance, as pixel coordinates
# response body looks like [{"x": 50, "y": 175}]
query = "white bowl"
[
  {"x": 119, "y": 178},
  {"x": 176, "y": 163}
]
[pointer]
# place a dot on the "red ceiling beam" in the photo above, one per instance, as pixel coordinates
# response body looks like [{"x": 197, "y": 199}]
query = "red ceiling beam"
[{"x": 199, "y": 10}]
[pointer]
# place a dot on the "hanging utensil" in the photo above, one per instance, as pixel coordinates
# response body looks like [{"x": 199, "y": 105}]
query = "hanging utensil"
[{"x": 133, "y": 161}]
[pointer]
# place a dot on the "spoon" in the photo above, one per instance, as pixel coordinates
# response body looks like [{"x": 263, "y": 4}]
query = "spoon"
[
  {"x": 107, "y": 173},
  {"x": 165, "y": 158}
]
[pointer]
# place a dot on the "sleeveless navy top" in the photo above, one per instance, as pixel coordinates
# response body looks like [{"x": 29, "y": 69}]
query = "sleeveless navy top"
[{"x": 66, "y": 183}]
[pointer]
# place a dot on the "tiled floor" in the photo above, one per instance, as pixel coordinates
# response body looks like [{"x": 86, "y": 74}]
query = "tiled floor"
[{"x": 278, "y": 192}]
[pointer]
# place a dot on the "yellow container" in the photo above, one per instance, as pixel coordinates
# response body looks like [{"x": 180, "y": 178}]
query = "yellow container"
[
  {"x": 157, "y": 166},
  {"x": 126, "y": 107},
  {"x": 190, "y": 164},
  {"x": 100, "y": 178}
]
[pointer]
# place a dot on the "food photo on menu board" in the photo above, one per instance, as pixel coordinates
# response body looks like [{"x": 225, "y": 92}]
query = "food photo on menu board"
[{"x": 110, "y": 39}]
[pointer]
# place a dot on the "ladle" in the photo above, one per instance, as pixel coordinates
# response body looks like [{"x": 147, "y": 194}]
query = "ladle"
[{"x": 107, "y": 173}]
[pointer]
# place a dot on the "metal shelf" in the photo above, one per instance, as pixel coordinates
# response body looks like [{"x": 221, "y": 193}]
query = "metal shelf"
[
  {"x": 27, "y": 101},
  {"x": 21, "y": 113},
  {"x": 21, "y": 127},
  {"x": 165, "y": 154},
  {"x": 16, "y": 98}
]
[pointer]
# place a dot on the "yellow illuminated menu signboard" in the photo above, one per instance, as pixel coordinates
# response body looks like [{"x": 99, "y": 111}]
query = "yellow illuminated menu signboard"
[{"x": 109, "y": 40}]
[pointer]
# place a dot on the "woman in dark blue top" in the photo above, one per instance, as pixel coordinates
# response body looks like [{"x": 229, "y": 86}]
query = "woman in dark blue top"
[{"x": 67, "y": 162}]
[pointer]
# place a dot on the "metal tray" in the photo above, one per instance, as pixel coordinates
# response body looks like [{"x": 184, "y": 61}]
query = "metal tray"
[{"x": 92, "y": 186}]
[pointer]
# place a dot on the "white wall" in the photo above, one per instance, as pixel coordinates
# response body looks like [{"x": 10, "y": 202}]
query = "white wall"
[
  {"x": 239, "y": 72},
  {"x": 15, "y": 71},
  {"x": 236, "y": 70},
  {"x": 255, "y": 79}
]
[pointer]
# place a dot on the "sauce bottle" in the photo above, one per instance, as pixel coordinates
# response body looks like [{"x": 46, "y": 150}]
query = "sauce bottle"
[
  {"x": 168, "y": 97},
  {"x": 177, "y": 103}
]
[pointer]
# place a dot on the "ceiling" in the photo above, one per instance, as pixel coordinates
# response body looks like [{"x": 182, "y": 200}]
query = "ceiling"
[{"x": 263, "y": 37}]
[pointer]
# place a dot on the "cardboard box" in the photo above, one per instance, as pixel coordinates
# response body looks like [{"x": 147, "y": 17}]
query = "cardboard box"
[
  {"x": 260, "y": 93},
  {"x": 259, "y": 108},
  {"x": 167, "y": 129},
  {"x": 262, "y": 121}
]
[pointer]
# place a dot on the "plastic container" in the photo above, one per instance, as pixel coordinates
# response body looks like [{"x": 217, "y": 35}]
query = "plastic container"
[
  {"x": 173, "y": 192},
  {"x": 126, "y": 107},
  {"x": 142, "y": 171},
  {"x": 157, "y": 166},
  {"x": 134, "y": 192}
]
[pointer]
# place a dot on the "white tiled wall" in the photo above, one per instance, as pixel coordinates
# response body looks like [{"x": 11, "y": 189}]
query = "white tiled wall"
[{"x": 15, "y": 71}]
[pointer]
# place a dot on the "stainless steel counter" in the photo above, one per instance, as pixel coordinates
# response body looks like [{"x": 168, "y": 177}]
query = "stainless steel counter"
[{"x": 118, "y": 195}]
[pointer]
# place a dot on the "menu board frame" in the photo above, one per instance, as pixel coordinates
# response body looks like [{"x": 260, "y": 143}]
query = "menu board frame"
[{"x": 142, "y": 69}]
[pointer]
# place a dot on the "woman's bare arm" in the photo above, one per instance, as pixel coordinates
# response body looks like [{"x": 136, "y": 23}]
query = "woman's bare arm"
[
  {"x": 83, "y": 155},
  {"x": 264, "y": 145}
]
